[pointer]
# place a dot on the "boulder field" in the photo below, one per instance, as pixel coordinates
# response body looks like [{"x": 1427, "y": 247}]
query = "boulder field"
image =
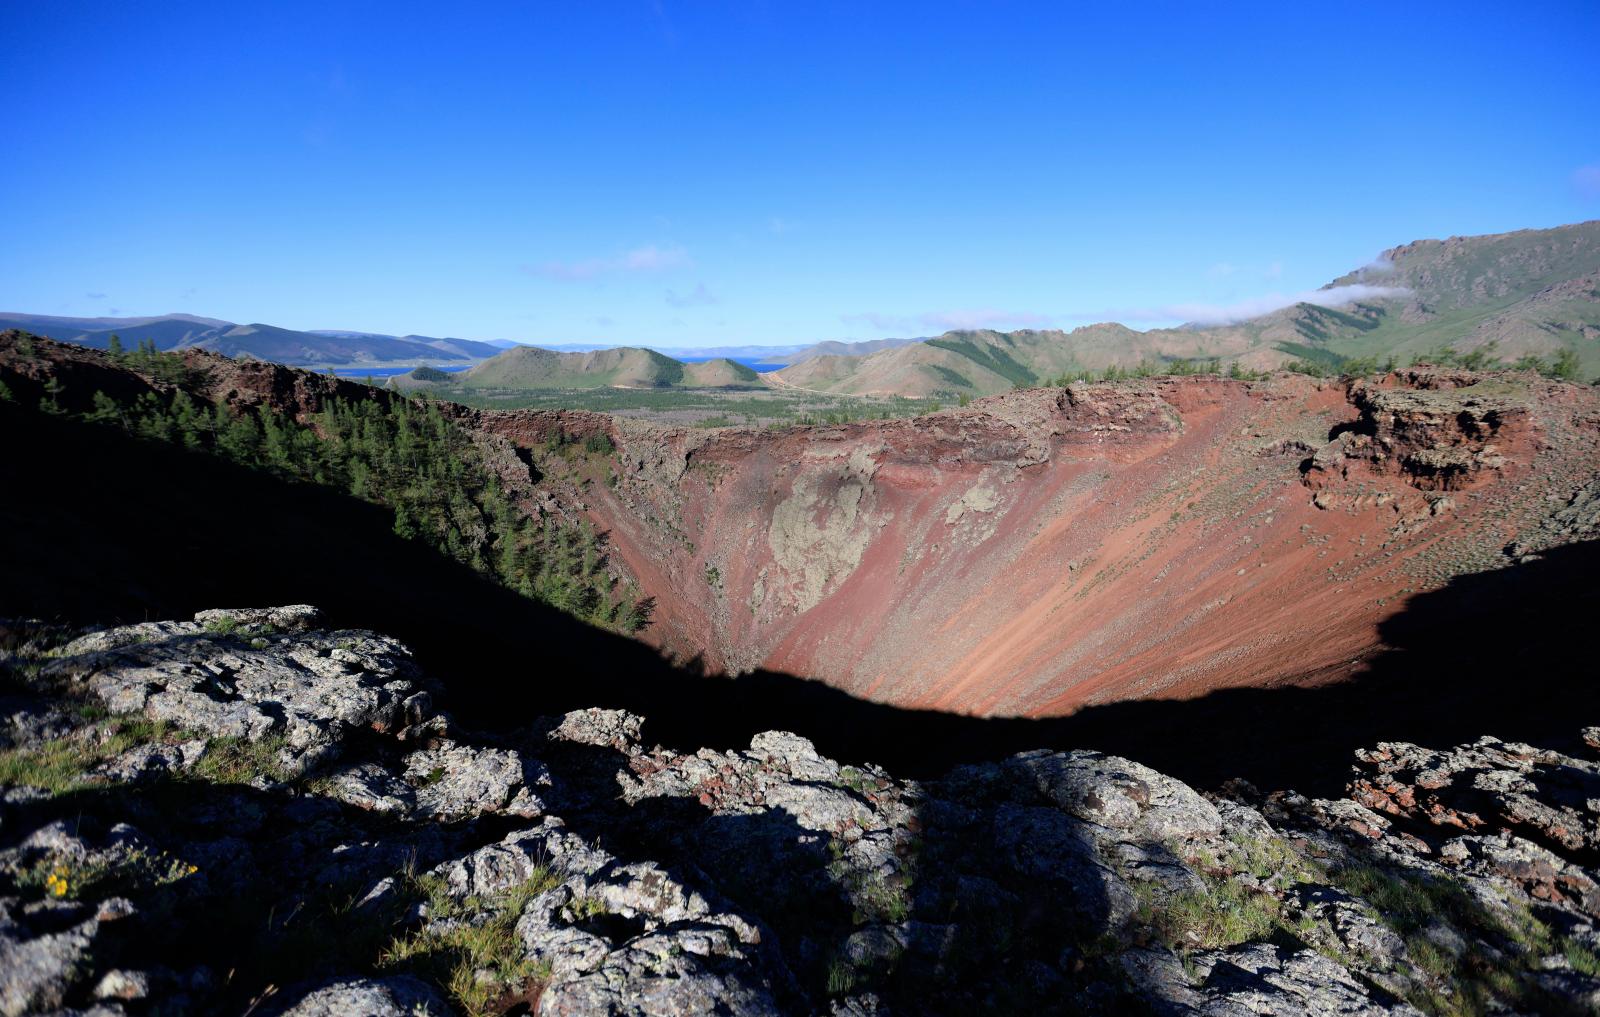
[
  {"x": 249, "y": 812},
  {"x": 1048, "y": 549}
]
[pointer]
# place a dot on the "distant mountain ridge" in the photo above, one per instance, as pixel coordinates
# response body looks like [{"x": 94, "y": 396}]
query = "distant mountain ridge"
[
  {"x": 351, "y": 347},
  {"x": 1528, "y": 293},
  {"x": 261, "y": 341}
]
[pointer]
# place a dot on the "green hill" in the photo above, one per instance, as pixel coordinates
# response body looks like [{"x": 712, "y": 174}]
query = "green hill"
[
  {"x": 528, "y": 367},
  {"x": 1532, "y": 293},
  {"x": 718, "y": 373}
]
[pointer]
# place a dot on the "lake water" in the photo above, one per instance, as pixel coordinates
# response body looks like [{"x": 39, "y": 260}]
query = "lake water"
[
  {"x": 386, "y": 372},
  {"x": 754, "y": 365},
  {"x": 390, "y": 372}
]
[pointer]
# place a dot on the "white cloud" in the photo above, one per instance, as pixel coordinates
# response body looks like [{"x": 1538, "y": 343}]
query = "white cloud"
[
  {"x": 641, "y": 259},
  {"x": 1222, "y": 314},
  {"x": 1195, "y": 313},
  {"x": 1221, "y": 270}
]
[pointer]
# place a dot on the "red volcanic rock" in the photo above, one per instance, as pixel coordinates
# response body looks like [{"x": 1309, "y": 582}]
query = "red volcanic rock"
[
  {"x": 1539, "y": 794},
  {"x": 1045, "y": 549}
]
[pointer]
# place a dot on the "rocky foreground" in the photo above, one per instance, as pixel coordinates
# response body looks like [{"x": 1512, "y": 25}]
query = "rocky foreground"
[{"x": 249, "y": 813}]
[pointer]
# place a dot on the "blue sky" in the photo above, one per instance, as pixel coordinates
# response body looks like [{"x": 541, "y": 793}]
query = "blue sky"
[{"x": 709, "y": 173}]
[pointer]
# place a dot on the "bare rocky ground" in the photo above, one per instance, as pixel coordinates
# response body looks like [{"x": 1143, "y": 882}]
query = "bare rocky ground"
[{"x": 248, "y": 813}]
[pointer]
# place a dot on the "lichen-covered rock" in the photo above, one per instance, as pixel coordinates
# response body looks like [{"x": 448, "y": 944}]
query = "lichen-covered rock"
[
  {"x": 564, "y": 867},
  {"x": 692, "y": 970},
  {"x": 233, "y": 675},
  {"x": 615, "y": 729},
  {"x": 43, "y": 954},
  {"x": 369, "y": 997},
  {"x": 457, "y": 781},
  {"x": 120, "y": 984},
  {"x": 1264, "y": 978},
  {"x": 1488, "y": 785},
  {"x": 1541, "y": 874},
  {"x": 152, "y": 761},
  {"x": 370, "y": 786},
  {"x": 1119, "y": 794}
]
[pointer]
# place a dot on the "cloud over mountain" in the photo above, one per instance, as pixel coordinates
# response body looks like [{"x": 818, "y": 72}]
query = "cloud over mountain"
[{"x": 1254, "y": 307}]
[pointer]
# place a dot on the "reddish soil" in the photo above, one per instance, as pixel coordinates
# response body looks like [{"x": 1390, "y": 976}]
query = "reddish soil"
[{"x": 1046, "y": 549}]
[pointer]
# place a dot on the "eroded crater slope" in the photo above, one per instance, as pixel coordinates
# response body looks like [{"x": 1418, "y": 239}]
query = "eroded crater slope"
[{"x": 1051, "y": 548}]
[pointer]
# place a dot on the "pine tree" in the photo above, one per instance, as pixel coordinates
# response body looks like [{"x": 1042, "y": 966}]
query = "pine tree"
[
  {"x": 187, "y": 420},
  {"x": 152, "y": 419},
  {"x": 106, "y": 410},
  {"x": 238, "y": 436},
  {"x": 114, "y": 347},
  {"x": 51, "y": 402}
]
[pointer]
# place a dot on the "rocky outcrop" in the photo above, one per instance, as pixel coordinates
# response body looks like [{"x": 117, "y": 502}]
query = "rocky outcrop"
[
  {"x": 241, "y": 675},
  {"x": 1441, "y": 430},
  {"x": 359, "y": 997},
  {"x": 1488, "y": 785},
  {"x": 394, "y": 863}
]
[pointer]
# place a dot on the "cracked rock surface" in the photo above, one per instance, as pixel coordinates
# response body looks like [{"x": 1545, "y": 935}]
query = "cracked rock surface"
[{"x": 247, "y": 810}]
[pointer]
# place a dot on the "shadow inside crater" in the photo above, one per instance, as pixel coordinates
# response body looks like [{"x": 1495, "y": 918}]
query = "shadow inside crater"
[{"x": 99, "y": 527}]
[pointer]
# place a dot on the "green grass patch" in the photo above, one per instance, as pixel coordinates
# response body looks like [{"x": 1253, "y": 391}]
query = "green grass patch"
[
  {"x": 62, "y": 765},
  {"x": 1495, "y": 970},
  {"x": 468, "y": 937},
  {"x": 1226, "y": 913},
  {"x": 241, "y": 761}
]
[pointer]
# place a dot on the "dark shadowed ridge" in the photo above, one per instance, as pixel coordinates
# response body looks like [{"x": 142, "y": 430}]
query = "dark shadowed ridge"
[{"x": 99, "y": 527}]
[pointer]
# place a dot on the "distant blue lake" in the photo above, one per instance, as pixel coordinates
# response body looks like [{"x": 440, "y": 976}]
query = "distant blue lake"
[
  {"x": 385, "y": 372},
  {"x": 754, "y": 365}
]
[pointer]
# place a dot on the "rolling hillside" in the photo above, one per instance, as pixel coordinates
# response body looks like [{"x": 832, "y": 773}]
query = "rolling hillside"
[
  {"x": 839, "y": 348},
  {"x": 528, "y": 367},
  {"x": 1530, "y": 293}
]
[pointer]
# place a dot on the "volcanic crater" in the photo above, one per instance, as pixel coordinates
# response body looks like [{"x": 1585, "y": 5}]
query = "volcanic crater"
[{"x": 1047, "y": 549}]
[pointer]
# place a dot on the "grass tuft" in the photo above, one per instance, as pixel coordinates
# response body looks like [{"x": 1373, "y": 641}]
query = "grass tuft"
[
  {"x": 470, "y": 947},
  {"x": 62, "y": 765},
  {"x": 241, "y": 761}
]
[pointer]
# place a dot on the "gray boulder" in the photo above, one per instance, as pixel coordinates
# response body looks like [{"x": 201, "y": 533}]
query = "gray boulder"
[{"x": 367, "y": 997}]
